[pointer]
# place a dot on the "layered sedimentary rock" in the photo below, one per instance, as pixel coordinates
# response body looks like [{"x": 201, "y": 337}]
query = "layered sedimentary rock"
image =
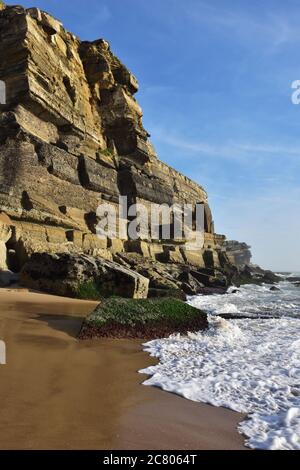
[
  {"x": 82, "y": 276},
  {"x": 71, "y": 136}
]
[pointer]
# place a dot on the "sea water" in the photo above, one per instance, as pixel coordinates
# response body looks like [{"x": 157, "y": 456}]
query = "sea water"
[{"x": 250, "y": 365}]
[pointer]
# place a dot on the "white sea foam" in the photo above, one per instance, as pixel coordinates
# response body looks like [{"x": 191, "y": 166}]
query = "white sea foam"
[
  {"x": 254, "y": 301},
  {"x": 249, "y": 365}
]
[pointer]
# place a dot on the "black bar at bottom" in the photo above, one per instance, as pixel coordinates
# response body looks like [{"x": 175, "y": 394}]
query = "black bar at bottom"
[{"x": 134, "y": 459}]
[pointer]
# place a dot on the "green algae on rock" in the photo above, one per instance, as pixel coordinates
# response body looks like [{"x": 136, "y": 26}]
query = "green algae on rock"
[{"x": 142, "y": 318}]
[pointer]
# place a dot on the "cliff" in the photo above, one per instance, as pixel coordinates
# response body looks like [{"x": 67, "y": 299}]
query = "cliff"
[
  {"x": 71, "y": 137},
  {"x": 238, "y": 253}
]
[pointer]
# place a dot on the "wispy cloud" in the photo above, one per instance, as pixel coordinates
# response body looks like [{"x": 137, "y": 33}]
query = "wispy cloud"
[
  {"x": 271, "y": 28},
  {"x": 231, "y": 149}
]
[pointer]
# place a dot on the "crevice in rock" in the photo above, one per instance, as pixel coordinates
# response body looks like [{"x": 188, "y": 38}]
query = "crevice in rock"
[
  {"x": 26, "y": 202},
  {"x": 62, "y": 145},
  {"x": 91, "y": 221},
  {"x": 208, "y": 259},
  {"x": 70, "y": 235},
  {"x": 15, "y": 255},
  {"x": 70, "y": 89},
  {"x": 82, "y": 173}
]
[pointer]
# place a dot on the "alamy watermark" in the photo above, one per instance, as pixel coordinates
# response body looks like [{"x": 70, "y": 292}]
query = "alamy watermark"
[
  {"x": 152, "y": 222},
  {"x": 2, "y": 92},
  {"x": 2, "y": 353},
  {"x": 295, "y": 97}
]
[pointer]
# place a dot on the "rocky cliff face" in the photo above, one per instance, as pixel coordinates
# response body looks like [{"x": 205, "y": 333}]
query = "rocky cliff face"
[
  {"x": 71, "y": 136},
  {"x": 238, "y": 253}
]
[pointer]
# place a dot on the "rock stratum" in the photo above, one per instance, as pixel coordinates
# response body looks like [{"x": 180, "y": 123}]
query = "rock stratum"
[
  {"x": 71, "y": 137},
  {"x": 238, "y": 253}
]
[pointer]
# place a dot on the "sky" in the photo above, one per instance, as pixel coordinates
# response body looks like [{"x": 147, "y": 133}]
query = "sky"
[{"x": 215, "y": 87}]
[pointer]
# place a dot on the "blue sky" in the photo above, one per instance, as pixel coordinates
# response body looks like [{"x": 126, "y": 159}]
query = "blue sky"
[{"x": 215, "y": 87}]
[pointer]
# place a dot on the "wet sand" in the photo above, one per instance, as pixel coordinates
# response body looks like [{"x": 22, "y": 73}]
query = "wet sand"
[{"x": 60, "y": 393}]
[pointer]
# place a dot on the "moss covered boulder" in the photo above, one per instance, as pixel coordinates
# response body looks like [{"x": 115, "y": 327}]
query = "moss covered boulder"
[{"x": 142, "y": 318}]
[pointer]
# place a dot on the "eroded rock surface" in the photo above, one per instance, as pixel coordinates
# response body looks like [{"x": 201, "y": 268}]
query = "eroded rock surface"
[
  {"x": 82, "y": 276},
  {"x": 72, "y": 137},
  {"x": 238, "y": 253}
]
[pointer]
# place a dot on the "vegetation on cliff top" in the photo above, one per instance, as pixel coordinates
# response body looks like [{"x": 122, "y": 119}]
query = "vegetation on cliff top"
[{"x": 142, "y": 318}]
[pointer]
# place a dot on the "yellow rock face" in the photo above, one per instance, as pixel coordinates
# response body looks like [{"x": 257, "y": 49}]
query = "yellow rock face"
[{"x": 71, "y": 137}]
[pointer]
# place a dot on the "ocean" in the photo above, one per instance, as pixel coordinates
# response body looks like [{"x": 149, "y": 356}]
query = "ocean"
[{"x": 250, "y": 365}]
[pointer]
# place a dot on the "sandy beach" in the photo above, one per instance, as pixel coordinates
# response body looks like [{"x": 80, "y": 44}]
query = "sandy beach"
[{"x": 60, "y": 393}]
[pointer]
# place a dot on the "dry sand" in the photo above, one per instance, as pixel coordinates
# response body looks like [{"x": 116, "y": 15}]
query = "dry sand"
[{"x": 60, "y": 393}]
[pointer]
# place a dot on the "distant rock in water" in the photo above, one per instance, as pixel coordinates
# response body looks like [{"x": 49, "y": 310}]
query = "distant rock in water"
[
  {"x": 293, "y": 279},
  {"x": 274, "y": 288}
]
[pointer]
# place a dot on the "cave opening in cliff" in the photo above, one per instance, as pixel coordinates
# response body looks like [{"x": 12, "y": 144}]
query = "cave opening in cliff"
[
  {"x": 13, "y": 259},
  {"x": 208, "y": 259}
]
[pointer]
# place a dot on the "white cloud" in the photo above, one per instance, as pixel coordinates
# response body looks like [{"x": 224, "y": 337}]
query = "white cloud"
[
  {"x": 272, "y": 28},
  {"x": 232, "y": 150}
]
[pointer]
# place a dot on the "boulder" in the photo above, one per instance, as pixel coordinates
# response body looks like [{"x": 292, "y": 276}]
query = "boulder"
[
  {"x": 193, "y": 258},
  {"x": 146, "y": 318},
  {"x": 270, "y": 278},
  {"x": 190, "y": 285},
  {"x": 167, "y": 293},
  {"x": 210, "y": 278},
  {"x": 254, "y": 275},
  {"x": 7, "y": 278},
  {"x": 171, "y": 254},
  {"x": 293, "y": 279},
  {"x": 82, "y": 276}
]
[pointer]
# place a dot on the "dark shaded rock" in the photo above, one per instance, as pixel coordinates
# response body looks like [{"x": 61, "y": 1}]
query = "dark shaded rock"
[
  {"x": 270, "y": 278},
  {"x": 167, "y": 293},
  {"x": 210, "y": 278},
  {"x": 245, "y": 316},
  {"x": 254, "y": 275},
  {"x": 274, "y": 288},
  {"x": 58, "y": 162},
  {"x": 97, "y": 177},
  {"x": 82, "y": 276},
  {"x": 293, "y": 279},
  {"x": 213, "y": 290},
  {"x": 190, "y": 285},
  {"x": 8, "y": 278}
]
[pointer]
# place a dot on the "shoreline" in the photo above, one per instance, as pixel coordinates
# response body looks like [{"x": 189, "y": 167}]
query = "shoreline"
[{"x": 61, "y": 393}]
